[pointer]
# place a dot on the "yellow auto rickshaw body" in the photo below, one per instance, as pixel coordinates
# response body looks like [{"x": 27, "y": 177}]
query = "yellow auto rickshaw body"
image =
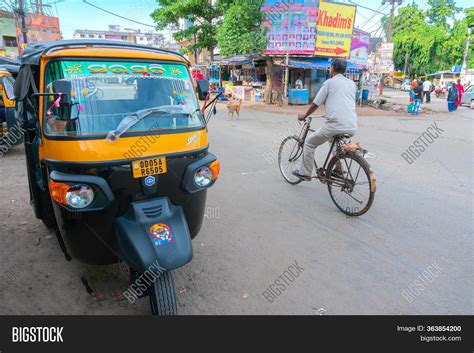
[{"x": 94, "y": 150}]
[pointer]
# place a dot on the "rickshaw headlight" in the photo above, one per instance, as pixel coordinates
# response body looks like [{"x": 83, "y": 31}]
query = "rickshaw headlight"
[
  {"x": 203, "y": 177},
  {"x": 80, "y": 196}
]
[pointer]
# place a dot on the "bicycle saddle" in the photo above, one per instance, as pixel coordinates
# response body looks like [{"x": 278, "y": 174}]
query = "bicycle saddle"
[{"x": 342, "y": 136}]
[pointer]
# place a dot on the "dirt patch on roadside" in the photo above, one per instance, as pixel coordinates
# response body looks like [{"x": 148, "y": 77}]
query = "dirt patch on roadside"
[{"x": 300, "y": 109}]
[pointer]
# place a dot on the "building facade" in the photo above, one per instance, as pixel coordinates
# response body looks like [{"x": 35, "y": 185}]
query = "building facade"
[
  {"x": 136, "y": 36},
  {"x": 8, "y": 42}
]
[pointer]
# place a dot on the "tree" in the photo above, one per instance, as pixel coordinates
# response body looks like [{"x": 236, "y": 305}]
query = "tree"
[
  {"x": 205, "y": 17},
  {"x": 431, "y": 45},
  {"x": 240, "y": 32},
  {"x": 415, "y": 39},
  {"x": 469, "y": 12},
  {"x": 441, "y": 10}
]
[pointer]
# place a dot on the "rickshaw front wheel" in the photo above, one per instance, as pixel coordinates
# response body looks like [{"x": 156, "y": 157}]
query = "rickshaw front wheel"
[{"x": 163, "y": 295}]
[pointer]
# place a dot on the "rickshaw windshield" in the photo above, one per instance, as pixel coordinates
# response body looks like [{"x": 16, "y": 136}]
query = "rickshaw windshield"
[{"x": 94, "y": 98}]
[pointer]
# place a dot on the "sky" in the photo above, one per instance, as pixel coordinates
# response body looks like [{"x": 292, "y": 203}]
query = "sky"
[{"x": 75, "y": 14}]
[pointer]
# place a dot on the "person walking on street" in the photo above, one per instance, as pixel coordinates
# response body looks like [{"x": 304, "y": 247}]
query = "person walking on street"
[
  {"x": 452, "y": 97},
  {"x": 338, "y": 96},
  {"x": 427, "y": 87},
  {"x": 417, "y": 99},
  {"x": 460, "y": 88}
]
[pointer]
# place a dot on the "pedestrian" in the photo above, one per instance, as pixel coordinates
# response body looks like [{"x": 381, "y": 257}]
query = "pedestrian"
[
  {"x": 444, "y": 89},
  {"x": 427, "y": 87},
  {"x": 412, "y": 97},
  {"x": 460, "y": 88},
  {"x": 417, "y": 99},
  {"x": 453, "y": 95},
  {"x": 381, "y": 85}
]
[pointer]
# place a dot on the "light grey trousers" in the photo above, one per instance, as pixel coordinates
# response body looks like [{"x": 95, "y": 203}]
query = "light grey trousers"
[{"x": 317, "y": 138}]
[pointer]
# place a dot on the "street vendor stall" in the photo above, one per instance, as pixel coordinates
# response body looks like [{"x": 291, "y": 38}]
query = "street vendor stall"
[
  {"x": 242, "y": 77},
  {"x": 313, "y": 72}
]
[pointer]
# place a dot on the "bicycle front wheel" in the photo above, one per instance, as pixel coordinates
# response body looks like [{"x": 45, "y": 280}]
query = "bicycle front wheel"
[
  {"x": 289, "y": 158},
  {"x": 351, "y": 184}
]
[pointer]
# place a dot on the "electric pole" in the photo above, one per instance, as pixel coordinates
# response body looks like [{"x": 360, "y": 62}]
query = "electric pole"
[
  {"x": 21, "y": 13},
  {"x": 392, "y": 15},
  {"x": 466, "y": 51},
  {"x": 389, "y": 35}
]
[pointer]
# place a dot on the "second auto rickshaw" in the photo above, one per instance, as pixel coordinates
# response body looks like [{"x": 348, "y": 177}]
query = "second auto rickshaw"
[
  {"x": 10, "y": 131},
  {"x": 117, "y": 155}
]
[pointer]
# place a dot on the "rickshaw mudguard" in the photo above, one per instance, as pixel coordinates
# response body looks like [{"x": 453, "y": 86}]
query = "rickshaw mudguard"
[{"x": 154, "y": 232}]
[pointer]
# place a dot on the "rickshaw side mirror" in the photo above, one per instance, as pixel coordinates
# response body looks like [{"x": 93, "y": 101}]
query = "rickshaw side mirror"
[
  {"x": 203, "y": 89},
  {"x": 64, "y": 87}
]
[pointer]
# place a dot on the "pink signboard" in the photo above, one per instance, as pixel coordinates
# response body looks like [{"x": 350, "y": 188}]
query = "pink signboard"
[{"x": 360, "y": 47}]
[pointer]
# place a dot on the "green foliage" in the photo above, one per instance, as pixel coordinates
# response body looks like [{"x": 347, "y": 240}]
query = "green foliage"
[
  {"x": 441, "y": 10},
  {"x": 240, "y": 32},
  {"x": 469, "y": 12},
  {"x": 432, "y": 45},
  {"x": 206, "y": 19}
]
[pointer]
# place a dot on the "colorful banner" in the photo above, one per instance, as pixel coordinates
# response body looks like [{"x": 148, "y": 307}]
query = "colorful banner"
[
  {"x": 291, "y": 26},
  {"x": 40, "y": 29},
  {"x": 384, "y": 58},
  {"x": 92, "y": 68},
  {"x": 360, "y": 47},
  {"x": 335, "y": 26}
]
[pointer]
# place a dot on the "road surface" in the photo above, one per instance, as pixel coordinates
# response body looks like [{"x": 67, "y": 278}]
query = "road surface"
[{"x": 411, "y": 254}]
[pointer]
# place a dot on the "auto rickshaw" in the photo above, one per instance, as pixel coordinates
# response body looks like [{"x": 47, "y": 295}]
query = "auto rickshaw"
[
  {"x": 117, "y": 156},
  {"x": 10, "y": 131}
]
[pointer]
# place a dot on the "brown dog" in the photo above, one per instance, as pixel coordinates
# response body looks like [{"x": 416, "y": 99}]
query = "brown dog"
[{"x": 233, "y": 107}]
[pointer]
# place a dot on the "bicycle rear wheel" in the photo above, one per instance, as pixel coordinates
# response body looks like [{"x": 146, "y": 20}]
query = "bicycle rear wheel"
[
  {"x": 353, "y": 188},
  {"x": 289, "y": 158}
]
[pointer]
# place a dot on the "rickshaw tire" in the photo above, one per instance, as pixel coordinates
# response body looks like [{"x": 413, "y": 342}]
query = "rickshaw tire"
[
  {"x": 163, "y": 295},
  {"x": 49, "y": 222}
]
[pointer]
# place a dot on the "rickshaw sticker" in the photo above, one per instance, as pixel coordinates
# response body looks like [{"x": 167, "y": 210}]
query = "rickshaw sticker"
[
  {"x": 161, "y": 234},
  {"x": 74, "y": 69},
  {"x": 122, "y": 68},
  {"x": 175, "y": 71}
]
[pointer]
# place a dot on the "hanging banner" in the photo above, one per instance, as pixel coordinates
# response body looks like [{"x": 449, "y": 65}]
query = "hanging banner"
[
  {"x": 291, "y": 26},
  {"x": 335, "y": 26},
  {"x": 384, "y": 58},
  {"x": 360, "y": 47}
]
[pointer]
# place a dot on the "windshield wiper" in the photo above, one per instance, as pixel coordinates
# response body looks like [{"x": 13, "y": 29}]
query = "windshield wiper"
[{"x": 133, "y": 119}]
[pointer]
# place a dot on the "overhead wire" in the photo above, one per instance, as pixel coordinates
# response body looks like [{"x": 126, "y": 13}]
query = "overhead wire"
[{"x": 117, "y": 15}]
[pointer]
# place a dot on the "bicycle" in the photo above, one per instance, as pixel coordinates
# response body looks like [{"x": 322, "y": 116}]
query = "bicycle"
[{"x": 341, "y": 173}]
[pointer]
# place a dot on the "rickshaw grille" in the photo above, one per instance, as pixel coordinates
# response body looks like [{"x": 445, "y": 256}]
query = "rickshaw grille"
[{"x": 153, "y": 212}]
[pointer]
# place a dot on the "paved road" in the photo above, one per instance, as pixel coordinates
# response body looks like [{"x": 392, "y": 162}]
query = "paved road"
[{"x": 257, "y": 226}]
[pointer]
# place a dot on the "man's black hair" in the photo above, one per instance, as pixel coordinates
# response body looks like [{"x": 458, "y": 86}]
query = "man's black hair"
[{"x": 339, "y": 66}]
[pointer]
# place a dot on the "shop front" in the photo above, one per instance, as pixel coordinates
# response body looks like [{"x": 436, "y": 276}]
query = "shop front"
[
  {"x": 243, "y": 77},
  {"x": 307, "y": 75}
]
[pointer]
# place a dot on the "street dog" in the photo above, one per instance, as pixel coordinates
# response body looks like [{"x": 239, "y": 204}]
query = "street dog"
[{"x": 233, "y": 107}]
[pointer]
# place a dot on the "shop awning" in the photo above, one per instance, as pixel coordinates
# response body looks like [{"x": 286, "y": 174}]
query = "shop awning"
[
  {"x": 319, "y": 63},
  {"x": 237, "y": 60}
]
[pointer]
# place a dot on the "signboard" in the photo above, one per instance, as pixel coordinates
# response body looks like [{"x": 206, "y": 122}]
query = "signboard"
[
  {"x": 335, "y": 26},
  {"x": 291, "y": 26},
  {"x": 384, "y": 58},
  {"x": 456, "y": 69},
  {"x": 40, "y": 29},
  {"x": 360, "y": 47}
]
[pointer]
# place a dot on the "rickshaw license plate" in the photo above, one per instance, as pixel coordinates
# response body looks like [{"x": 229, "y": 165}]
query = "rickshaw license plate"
[{"x": 147, "y": 167}]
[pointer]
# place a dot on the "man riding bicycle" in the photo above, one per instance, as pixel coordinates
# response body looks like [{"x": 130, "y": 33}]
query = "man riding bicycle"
[{"x": 338, "y": 96}]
